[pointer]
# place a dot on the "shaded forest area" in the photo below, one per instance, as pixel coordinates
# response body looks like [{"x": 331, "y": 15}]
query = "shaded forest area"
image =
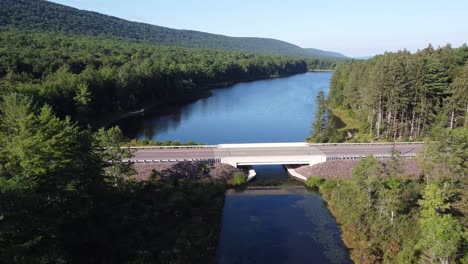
[
  {"x": 84, "y": 77},
  {"x": 402, "y": 96},
  {"x": 65, "y": 197}
]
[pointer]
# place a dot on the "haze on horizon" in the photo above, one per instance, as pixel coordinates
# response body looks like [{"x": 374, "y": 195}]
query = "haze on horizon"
[{"x": 353, "y": 28}]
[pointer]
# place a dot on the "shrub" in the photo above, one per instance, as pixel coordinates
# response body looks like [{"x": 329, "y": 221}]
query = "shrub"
[
  {"x": 238, "y": 179},
  {"x": 313, "y": 182},
  {"x": 328, "y": 185}
]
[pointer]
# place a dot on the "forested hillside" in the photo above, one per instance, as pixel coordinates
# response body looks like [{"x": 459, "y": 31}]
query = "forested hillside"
[
  {"x": 47, "y": 16},
  {"x": 86, "y": 76},
  {"x": 324, "y": 54},
  {"x": 402, "y": 95}
]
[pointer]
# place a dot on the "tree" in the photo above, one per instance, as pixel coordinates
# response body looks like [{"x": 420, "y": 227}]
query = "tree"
[
  {"x": 459, "y": 99},
  {"x": 318, "y": 126},
  {"x": 47, "y": 171},
  {"x": 366, "y": 176},
  {"x": 109, "y": 147},
  {"x": 441, "y": 234},
  {"x": 40, "y": 151}
]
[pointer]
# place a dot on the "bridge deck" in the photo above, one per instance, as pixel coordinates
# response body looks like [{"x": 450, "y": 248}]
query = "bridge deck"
[{"x": 274, "y": 153}]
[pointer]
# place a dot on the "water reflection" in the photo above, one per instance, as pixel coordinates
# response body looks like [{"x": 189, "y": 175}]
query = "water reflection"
[
  {"x": 278, "y": 224},
  {"x": 278, "y": 110}
]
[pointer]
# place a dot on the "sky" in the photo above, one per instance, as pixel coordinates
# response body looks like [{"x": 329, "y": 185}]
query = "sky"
[{"x": 353, "y": 27}]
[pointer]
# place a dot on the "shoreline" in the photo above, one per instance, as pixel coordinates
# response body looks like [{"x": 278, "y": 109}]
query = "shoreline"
[{"x": 320, "y": 70}]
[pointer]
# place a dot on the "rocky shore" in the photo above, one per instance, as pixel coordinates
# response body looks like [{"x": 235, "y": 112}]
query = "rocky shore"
[
  {"x": 344, "y": 169},
  {"x": 195, "y": 170}
]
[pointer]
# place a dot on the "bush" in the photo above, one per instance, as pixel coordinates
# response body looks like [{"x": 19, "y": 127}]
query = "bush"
[
  {"x": 328, "y": 185},
  {"x": 313, "y": 182},
  {"x": 238, "y": 179}
]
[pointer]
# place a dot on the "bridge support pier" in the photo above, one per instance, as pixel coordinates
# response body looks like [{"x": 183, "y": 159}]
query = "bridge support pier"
[{"x": 252, "y": 174}]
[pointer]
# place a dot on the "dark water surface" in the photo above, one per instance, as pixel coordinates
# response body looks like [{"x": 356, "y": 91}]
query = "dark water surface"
[
  {"x": 277, "y": 110},
  {"x": 280, "y": 224}
]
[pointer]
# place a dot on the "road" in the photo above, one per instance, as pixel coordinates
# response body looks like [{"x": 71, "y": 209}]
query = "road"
[
  {"x": 295, "y": 149},
  {"x": 364, "y": 150}
]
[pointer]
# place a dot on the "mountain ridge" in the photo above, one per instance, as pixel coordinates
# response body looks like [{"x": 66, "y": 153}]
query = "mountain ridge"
[{"x": 52, "y": 17}]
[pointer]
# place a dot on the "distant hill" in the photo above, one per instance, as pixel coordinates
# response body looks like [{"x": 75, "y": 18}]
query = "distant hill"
[
  {"x": 324, "y": 54},
  {"x": 47, "y": 16}
]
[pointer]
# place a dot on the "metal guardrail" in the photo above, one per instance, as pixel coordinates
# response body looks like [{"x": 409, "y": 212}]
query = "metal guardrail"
[
  {"x": 170, "y": 160},
  {"x": 366, "y": 144},
  {"x": 344, "y": 157},
  {"x": 309, "y": 144},
  {"x": 173, "y": 147}
]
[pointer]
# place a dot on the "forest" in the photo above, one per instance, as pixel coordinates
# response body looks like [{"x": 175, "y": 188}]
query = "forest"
[
  {"x": 67, "y": 198},
  {"x": 65, "y": 195},
  {"x": 384, "y": 217},
  {"x": 46, "y": 16},
  {"x": 87, "y": 77},
  {"x": 401, "y": 96}
]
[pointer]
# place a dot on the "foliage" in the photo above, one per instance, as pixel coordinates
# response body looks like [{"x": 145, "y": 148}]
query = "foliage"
[
  {"x": 47, "y": 176},
  {"x": 328, "y": 185},
  {"x": 441, "y": 233},
  {"x": 397, "y": 96},
  {"x": 108, "y": 146},
  {"x": 423, "y": 220},
  {"x": 56, "y": 205},
  {"x": 238, "y": 179},
  {"x": 166, "y": 221},
  {"x": 85, "y": 76},
  {"x": 313, "y": 182}
]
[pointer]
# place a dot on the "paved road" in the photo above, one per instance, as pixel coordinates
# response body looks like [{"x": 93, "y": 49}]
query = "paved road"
[
  {"x": 164, "y": 154},
  {"x": 255, "y": 151},
  {"x": 363, "y": 150}
]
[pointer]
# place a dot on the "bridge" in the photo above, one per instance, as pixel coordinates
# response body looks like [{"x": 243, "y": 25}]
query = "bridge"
[{"x": 297, "y": 153}]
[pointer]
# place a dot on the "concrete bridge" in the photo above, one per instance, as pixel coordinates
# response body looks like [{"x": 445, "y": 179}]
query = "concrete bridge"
[{"x": 297, "y": 153}]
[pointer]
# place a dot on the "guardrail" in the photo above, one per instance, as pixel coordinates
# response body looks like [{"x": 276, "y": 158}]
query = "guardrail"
[
  {"x": 170, "y": 160},
  {"x": 173, "y": 147},
  {"x": 348, "y": 157},
  {"x": 309, "y": 144},
  {"x": 366, "y": 144}
]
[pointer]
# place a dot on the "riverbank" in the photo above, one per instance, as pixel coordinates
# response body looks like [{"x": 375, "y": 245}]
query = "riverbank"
[
  {"x": 343, "y": 169},
  {"x": 320, "y": 70},
  {"x": 216, "y": 171}
]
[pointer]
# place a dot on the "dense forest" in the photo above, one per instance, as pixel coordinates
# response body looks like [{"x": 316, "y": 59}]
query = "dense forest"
[
  {"x": 403, "y": 96},
  {"x": 386, "y": 218},
  {"x": 67, "y": 198},
  {"x": 47, "y": 16},
  {"x": 84, "y": 77}
]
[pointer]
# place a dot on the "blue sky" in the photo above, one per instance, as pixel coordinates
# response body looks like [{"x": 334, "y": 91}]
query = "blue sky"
[{"x": 354, "y": 28}]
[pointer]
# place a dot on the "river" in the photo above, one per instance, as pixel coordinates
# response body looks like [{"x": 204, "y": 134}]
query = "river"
[
  {"x": 275, "y": 219},
  {"x": 276, "y": 110}
]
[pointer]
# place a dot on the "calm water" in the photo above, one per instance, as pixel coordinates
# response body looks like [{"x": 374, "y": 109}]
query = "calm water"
[
  {"x": 281, "y": 224},
  {"x": 278, "y": 110}
]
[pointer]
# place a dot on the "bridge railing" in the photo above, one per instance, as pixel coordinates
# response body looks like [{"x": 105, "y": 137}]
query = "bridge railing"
[
  {"x": 309, "y": 144},
  {"x": 355, "y": 157},
  {"x": 366, "y": 144},
  {"x": 173, "y": 147},
  {"x": 210, "y": 160}
]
